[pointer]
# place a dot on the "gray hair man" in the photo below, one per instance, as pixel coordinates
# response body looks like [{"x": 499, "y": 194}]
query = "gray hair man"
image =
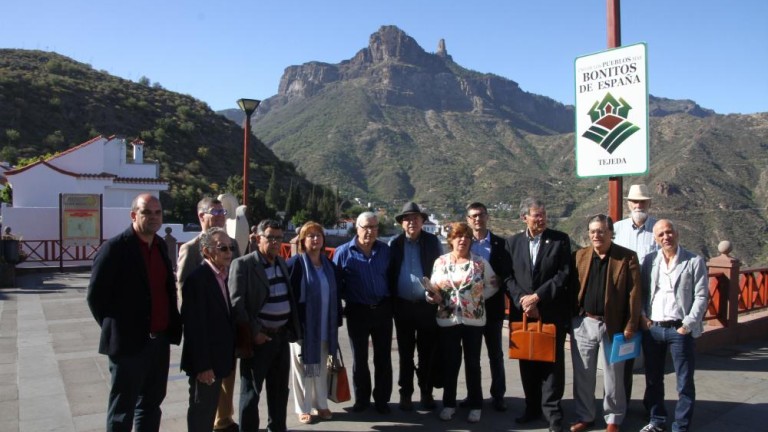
[
  {"x": 211, "y": 214},
  {"x": 363, "y": 263}
]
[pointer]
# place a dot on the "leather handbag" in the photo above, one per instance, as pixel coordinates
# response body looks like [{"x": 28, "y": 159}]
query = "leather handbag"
[
  {"x": 532, "y": 341},
  {"x": 338, "y": 383}
]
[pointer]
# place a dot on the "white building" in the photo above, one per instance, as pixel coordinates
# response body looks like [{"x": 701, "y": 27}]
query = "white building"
[{"x": 98, "y": 166}]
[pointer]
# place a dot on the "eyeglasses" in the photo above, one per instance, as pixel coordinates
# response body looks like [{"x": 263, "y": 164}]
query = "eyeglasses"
[
  {"x": 224, "y": 248},
  {"x": 272, "y": 239},
  {"x": 368, "y": 227},
  {"x": 217, "y": 212},
  {"x": 477, "y": 215},
  {"x": 597, "y": 232}
]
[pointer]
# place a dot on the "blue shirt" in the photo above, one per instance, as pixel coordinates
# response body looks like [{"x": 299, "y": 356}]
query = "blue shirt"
[
  {"x": 409, "y": 284},
  {"x": 364, "y": 278},
  {"x": 482, "y": 247},
  {"x": 639, "y": 239}
]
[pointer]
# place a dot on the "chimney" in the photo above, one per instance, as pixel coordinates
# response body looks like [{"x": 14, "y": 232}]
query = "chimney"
[{"x": 138, "y": 151}]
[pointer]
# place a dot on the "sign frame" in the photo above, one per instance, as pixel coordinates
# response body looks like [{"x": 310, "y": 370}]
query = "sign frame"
[{"x": 611, "y": 112}]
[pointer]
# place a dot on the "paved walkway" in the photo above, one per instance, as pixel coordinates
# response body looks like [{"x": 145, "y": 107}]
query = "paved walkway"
[{"x": 52, "y": 379}]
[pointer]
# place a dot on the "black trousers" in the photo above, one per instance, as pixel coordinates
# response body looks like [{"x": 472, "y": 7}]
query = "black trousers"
[
  {"x": 203, "y": 400},
  {"x": 492, "y": 336},
  {"x": 374, "y": 322},
  {"x": 271, "y": 362},
  {"x": 416, "y": 332},
  {"x": 139, "y": 383},
  {"x": 544, "y": 383}
]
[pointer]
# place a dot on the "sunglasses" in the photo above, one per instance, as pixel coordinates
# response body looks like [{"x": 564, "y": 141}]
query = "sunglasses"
[
  {"x": 225, "y": 248},
  {"x": 217, "y": 212}
]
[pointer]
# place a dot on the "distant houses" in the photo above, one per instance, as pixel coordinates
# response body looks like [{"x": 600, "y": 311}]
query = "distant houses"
[{"x": 98, "y": 166}]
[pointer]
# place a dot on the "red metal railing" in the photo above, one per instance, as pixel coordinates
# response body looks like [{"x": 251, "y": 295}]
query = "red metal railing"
[
  {"x": 753, "y": 289},
  {"x": 49, "y": 250}
]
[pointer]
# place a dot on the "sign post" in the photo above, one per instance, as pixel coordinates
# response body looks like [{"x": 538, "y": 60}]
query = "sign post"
[
  {"x": 80, "y": 222},
  {"x": 612, "y": 113}
]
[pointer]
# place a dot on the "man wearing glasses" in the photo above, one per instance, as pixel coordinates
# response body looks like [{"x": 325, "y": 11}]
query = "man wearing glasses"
[
  {"x": 211, "y": 213},
  {"x": 363, "y": 262},
  {"x": 537, "y": 286},
  {"x": 491, "y": 248},
  {"x": 265, "y": 306},
  {"x": 607, "y": 301}
]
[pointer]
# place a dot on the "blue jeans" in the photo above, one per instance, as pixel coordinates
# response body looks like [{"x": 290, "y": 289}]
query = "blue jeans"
[
  {"x": 138, "y": 387},
  {"x": 656, "y": 342}
]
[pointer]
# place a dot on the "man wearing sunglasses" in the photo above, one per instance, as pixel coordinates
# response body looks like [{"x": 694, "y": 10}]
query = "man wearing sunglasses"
[{"x": 211, "y": 214}]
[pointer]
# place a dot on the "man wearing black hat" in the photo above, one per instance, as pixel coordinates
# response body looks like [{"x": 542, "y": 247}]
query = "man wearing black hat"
[{"x": 414, "y": 252}]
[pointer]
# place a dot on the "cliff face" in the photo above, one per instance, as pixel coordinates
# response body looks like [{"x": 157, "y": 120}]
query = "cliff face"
[{"x": 396, "y": 71}]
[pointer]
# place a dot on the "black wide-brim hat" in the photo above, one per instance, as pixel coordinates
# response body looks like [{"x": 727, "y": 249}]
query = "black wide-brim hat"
[{"x": 410, "y": 208}]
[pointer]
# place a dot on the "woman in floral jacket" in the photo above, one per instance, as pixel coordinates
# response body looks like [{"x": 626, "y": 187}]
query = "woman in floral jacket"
[{"x": 461, "y": 281}]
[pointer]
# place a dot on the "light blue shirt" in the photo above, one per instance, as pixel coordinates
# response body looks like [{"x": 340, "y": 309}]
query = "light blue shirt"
[
  {"x": 409, "y": 286},
  {"x": 482, "y": 247},
  {"x": 639, "y": 239},
  {"x": 533, "y": 247}
]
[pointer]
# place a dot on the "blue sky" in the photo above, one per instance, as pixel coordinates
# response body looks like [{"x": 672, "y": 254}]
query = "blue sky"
[{"x": 714, "y": 52}]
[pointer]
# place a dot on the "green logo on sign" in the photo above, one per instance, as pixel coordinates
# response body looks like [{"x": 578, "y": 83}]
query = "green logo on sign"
[{"x": 610, "y": 126}]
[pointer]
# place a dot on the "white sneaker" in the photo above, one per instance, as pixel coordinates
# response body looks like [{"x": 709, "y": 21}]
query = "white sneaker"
[
  {"x": 474, "y": 415},
  {"x": 447, "y": 413},
  {"x": 650, "y": 427}
]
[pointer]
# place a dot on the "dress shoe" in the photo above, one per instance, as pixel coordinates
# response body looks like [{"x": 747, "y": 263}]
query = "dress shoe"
[
  {"x": 234, "y": 427},
  {"x": 428, "y": 402},
  {"x": 360, "y": 406},
  {"x": 555, "y": 428},
  {"x": 527, "y": 418},
  {"x": 612, "y": 427},
  {"x": 383, "y": 408},
  {"x": 406, "y": 404},
  {"x": 499, "y": 404},
  {"x": 580, "y": 426}
]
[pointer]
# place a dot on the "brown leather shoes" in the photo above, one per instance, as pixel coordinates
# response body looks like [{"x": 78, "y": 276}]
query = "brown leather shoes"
[
  {"x": 581, "y": 426},
  {"x": 612, "y": 427}
]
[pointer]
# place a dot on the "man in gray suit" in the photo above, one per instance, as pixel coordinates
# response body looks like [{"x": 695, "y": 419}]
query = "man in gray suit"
[
  {"x": 676, "y": 290},
  {"x": 266, "y": 310},
  {"x": 211, "y": 213}
]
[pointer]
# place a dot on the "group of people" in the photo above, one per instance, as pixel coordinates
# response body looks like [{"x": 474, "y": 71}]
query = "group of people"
[{"x": 281, "y": 319}]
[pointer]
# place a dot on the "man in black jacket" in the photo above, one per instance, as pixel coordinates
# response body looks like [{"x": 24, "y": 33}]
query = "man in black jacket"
[
  {"x": 413, "y": 253},
  {"x": 491, "y": 247},
  {"x": 541, "y": 262},
  {"x": 208, "y": 356},
  {"x": 132, "y": 296}
]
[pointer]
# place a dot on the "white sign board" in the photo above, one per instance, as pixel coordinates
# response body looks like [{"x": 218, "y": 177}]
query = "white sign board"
[{"x": 612, "y": 112}]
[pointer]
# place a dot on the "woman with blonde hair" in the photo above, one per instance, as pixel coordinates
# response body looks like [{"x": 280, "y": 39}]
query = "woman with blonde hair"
[
  {"x": 460, "y": 283},
  {"x": 315, "y": 283}
]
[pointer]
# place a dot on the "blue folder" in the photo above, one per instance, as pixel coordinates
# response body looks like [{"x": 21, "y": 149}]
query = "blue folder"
[{"x": 623, "y": 349}]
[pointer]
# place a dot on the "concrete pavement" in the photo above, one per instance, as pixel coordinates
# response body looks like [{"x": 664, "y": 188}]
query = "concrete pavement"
[{"x": 52, "y": 378}]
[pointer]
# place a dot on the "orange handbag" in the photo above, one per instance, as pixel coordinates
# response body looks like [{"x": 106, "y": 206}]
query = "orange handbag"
[{"x": 532, "y": 341}]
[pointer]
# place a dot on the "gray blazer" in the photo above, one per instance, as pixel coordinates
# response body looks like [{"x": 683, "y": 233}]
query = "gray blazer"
[
  {"x": 249, "y": 289},
  {"x": 691, "y": 286}
]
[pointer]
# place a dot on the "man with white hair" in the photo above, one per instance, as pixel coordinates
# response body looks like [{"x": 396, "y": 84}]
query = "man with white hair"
[
  {"x": 363, "y": 263},
  {"x": 636, "y": 233}
]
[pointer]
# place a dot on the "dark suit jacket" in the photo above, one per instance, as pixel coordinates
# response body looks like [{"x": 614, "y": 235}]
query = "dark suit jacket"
[
  {"x": 430, "y": 250},
  {"x": 548, "y": 279},
  {"x": 501, "y": 264},
  {"x": 209, "y": 325},
  {"x": 119, "y": 295},
  {"x": 623, "y": 298},
  {"x": 190, "y": 258},
  {"x": 297, "y": 273},
  {"x": 249, "y": 289}
]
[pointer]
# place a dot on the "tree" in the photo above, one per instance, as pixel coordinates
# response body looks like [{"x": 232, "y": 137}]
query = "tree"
[
  {"x": 273, "y": 197},
  {"x": 312, "y": 206},
  {"x": 327, "y": 209},
  {"x": 144, "y": 81},
  {"x": 6, "y": 194},
  {"x": 293, "y": 202}
]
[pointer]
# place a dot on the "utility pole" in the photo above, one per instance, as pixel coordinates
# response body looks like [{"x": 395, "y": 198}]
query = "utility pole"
[{"x": 615, "y": 184}]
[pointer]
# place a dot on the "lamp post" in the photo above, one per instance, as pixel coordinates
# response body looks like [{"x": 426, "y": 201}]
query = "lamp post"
[{"x": 248, "y": 106}]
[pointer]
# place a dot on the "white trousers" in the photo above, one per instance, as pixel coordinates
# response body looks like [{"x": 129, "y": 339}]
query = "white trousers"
[
  {"x": 589, "y": 338},
  {"x": 311, "y": 392}
]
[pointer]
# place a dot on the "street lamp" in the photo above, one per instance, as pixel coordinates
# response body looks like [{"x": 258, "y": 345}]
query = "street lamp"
[{"x": 248, "y": 106}]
